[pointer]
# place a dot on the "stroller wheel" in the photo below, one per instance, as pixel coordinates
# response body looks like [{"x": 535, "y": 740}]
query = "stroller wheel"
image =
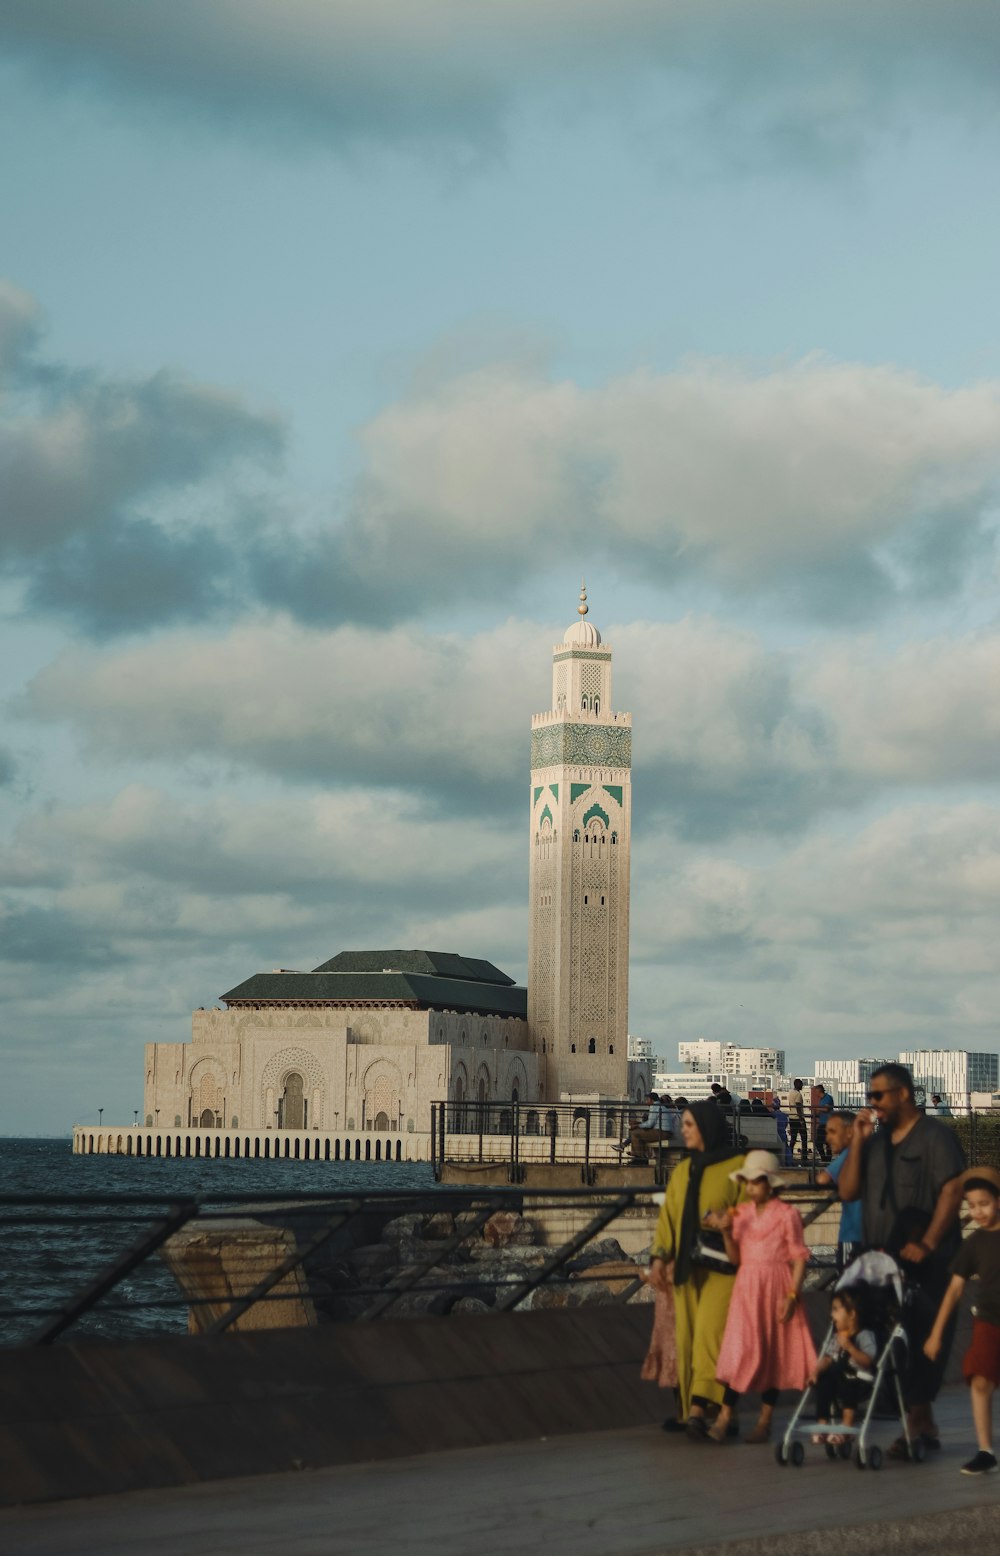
[
  {"x": 861, "y": 1458},
  {"x": 781, "y": 1452},
  {"x": 831, "y": 1450},
  {"x": 798, "y": 1454},
  {"x": 845, "y": 1449},
  {"x": 875, "y": 1457},
  {"x": 918, "y": 1450}
]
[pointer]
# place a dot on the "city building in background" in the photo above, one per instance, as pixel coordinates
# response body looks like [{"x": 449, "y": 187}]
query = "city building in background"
[
  {"x": 952, "y": 1073},
  {"x": 702, "y": 1056},
  {"x": 640, "y": 1051}
]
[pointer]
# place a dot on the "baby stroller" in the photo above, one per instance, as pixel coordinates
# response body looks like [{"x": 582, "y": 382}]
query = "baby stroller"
[{"x": 878, "y": 1277}]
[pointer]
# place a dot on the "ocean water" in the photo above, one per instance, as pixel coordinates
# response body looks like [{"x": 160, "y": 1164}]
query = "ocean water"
[{"x": 48, "y": 1255}]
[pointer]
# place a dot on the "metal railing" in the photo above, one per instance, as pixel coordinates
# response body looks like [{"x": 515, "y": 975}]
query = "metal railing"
[{"x": 134, "y": 1293}]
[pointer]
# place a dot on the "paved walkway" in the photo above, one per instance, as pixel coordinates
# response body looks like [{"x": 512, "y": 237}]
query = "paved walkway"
[{"x": 632, "y": 1493}]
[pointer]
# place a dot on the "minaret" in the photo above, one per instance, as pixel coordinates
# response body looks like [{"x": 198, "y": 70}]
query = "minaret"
[{"x": 581, "y": 817}]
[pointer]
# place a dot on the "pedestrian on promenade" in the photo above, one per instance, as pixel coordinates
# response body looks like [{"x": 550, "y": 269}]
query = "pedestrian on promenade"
[
  {"x": 660, "y": 1362},
  {"x": 839, "y": 1133},
  {"x": 702, "y": 1275},
  {"x": 767, "y": 1345},
  {"x": 822, "y": 1113},
  {"x": 977, "y": 1259},
  {"x": 797, "y": 1117},
  {"x": 781, "y": 1124},
  {"x": 908, "y": 1179}
]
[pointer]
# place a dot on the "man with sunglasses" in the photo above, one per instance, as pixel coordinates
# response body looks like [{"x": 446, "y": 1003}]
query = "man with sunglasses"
[{"x": 907, "y": 1176}]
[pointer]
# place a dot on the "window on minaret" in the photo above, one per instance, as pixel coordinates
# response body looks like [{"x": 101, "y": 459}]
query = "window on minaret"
[
  {"x": 592, "y": 1046},
  {"x": 597, "y": 704}
]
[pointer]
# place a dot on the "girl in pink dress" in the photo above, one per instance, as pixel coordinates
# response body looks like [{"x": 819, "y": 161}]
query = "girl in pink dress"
[{"x": 767, "y": 1345}]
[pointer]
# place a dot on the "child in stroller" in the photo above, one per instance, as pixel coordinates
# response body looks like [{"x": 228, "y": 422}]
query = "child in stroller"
[
  {"x": 870, "y": 1294},
  {"x": 844, "y": 1374}
]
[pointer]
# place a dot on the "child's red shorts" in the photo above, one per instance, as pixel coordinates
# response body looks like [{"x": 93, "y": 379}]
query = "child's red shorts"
[{"x": 982, "y": 1359}]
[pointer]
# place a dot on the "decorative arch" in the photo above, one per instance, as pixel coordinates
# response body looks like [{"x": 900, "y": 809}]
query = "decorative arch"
[
  {"x": 595, "y": 810},
  {"x": 382, "y": 1087},
  {"x": 517, "y": 1077},
  {"x": 546, "y": 816},
  {"x": 206, "y": 1093},
  {"x": 293, "y": 1061}
]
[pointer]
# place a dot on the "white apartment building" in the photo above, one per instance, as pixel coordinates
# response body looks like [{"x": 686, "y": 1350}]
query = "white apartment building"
[
  {"x": 954, "y": 1073},
  {"x": 694, "y": 1085},
  {"x": 640, "y": 1050},
  {"x": 850, "y": 1076},
  {"x": 701, "y": 1056}
]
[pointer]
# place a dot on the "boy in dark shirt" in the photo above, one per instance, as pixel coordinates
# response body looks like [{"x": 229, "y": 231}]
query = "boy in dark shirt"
[{"x": 978, "y": 1259}]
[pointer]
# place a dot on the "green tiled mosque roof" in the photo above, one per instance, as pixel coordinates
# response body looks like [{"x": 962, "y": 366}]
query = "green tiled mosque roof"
[{"x": 430, "y": 979}]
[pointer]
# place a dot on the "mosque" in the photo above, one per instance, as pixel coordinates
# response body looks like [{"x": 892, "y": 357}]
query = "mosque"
[{"x": 363, "y": 1044}]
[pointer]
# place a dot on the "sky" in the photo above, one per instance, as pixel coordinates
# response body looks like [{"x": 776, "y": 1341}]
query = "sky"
[{"x": 338, "y": 340}]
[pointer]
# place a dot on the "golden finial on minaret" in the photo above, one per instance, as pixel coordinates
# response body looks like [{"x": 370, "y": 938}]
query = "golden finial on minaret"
[{"x": 583, "y": 607}]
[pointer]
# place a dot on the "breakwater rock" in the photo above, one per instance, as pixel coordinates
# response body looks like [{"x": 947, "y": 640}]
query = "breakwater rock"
[{"x": 404, "y": 1266}]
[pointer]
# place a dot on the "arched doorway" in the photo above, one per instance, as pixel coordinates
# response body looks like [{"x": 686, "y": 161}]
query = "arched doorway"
[
  {"x": 292, "y": 1107},
  {"x": 207, "y": 1119},
  {"x": 382, "y": 1120}
]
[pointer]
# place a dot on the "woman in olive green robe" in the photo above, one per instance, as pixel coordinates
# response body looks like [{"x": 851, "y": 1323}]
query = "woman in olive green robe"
[{"x": 698, "y": 1184}]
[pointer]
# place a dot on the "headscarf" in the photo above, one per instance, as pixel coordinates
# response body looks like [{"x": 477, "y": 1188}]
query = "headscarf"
[{"x": 714, "y": 1129}]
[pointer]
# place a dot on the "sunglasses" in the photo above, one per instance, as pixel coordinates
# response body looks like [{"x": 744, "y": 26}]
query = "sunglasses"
[{"x": 885, "y": 1091}]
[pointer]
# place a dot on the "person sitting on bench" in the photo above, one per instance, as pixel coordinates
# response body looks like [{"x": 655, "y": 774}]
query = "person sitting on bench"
[{"x": 651, "y": 1129}]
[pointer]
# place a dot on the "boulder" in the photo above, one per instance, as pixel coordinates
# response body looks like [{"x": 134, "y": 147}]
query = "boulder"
[
  {"x": 438, "y": 1228},
  {"x": 506, "y": 1229},
  {"x": 403, "y": 1227},
  {"x": 614, "y": 1276},
  {"x": 471, "y": 1305}
]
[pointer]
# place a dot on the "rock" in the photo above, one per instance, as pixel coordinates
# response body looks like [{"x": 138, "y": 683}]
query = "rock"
[
  {"x": 613, "y": 1276},
  {"x": 608, "y": 1248},
  {"x": 471, "y": 1305},
  {"x": 376, "y": 1259},
  {"x": 503, "y": 1258},
  {"x": 401, "y": 1227},
  {"x": 506, "y": 1228},
  {"x": 439, "y": 1228}
]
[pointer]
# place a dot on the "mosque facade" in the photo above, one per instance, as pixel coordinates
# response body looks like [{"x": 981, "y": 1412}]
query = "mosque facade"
[{"x": 367, "y": 1041}]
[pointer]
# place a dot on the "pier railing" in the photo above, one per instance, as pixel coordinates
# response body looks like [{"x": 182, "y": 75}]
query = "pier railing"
[
  {"x": 124, "y": 1266},
  {"x": 584, "y": 1133}
]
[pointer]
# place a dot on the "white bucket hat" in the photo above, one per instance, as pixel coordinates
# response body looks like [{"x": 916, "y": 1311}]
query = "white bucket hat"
[{"x": 760, "y": 1164}]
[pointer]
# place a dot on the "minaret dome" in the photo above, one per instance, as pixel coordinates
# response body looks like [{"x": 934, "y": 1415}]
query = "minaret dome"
[{"x": 583, "y": 633}]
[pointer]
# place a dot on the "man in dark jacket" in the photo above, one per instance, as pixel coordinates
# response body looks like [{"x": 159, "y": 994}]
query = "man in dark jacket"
[{"x": 907, "y": 1177}]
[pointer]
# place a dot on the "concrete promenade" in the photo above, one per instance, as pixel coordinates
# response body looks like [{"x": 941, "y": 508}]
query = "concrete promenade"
[{"x": 626, "y": 1493}]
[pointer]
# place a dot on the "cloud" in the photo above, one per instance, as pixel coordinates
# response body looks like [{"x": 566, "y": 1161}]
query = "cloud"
[
  {"x": 842, "y": 486},
  {"x": 730, "y": 736},
  {"x": 801, "y": 81},
  {"x": 858, "y": 942},
  {"x": 104, "y": 481}
]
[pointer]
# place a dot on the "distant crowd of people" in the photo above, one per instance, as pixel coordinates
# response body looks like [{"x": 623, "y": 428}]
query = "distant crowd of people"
[
  {"x": 728, "y": 1263},
  {"x": 662, "y": 1121}
]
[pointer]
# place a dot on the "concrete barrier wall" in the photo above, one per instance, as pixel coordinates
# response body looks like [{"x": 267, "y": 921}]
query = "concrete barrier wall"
[{"x": 83, "y": 1420}]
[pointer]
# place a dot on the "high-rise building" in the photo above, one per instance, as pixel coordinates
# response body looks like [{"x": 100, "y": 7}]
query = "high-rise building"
[
  {"x": 640, "y": 1049},
  {"x": 850, "y": 1075},
  {"x": 701, "y": 1056},
  {"x": 952, "y": 1072},
  {"x": 581, "y": 810}
]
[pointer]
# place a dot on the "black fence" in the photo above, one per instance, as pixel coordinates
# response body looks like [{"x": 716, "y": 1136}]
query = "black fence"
[
  {"x": 113, "y": 1267},
  {"x": 590, "y": 1134},
  {"x": 517, "y": 1133}
]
